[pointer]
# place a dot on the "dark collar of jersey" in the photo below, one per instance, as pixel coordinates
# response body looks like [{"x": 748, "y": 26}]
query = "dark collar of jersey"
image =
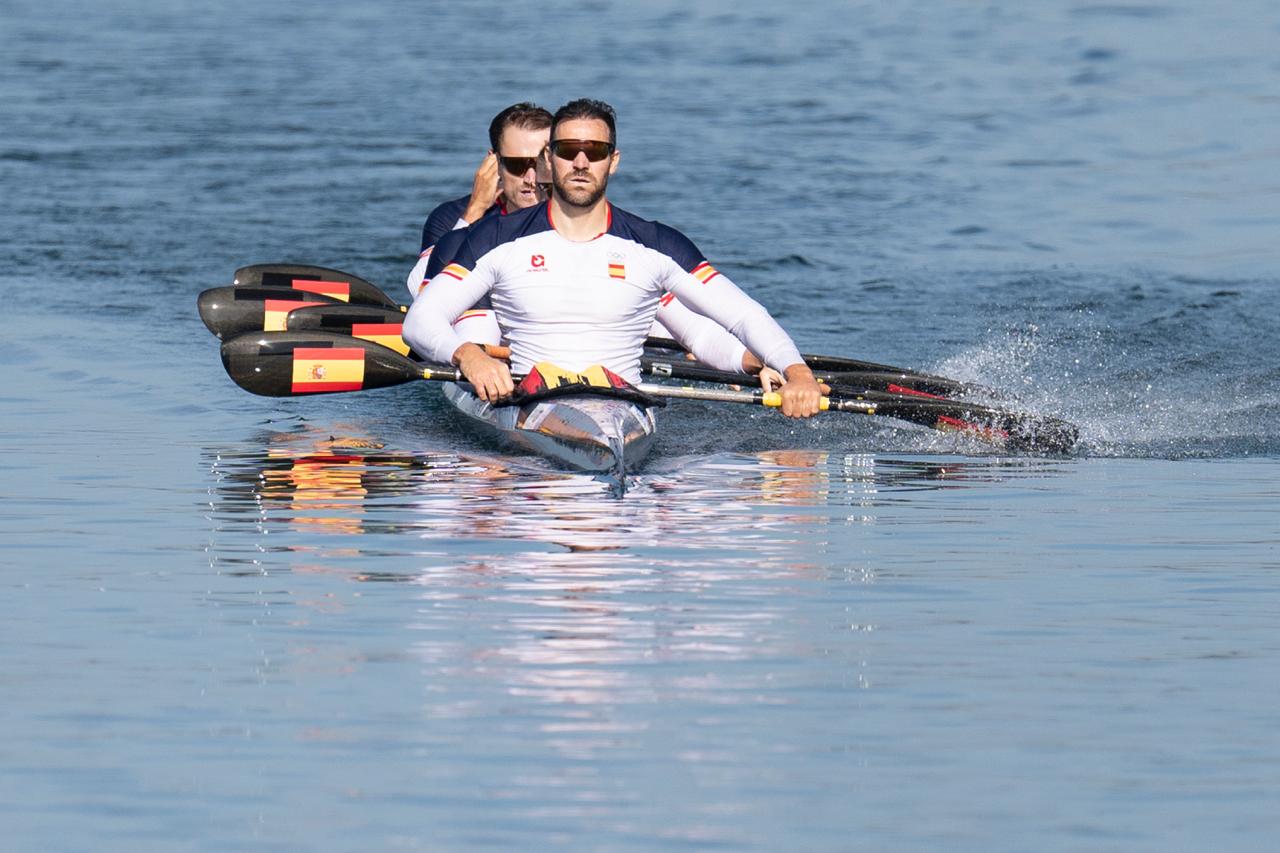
[{"x": 493, "y": 231}]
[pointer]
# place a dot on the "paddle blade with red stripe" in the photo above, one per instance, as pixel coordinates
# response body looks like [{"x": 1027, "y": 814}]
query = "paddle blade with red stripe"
[
  {"x": 335, "y": 284},
  {"x": 368, "y": 322},
  {"x": 290, "y": 364},
  {"x": 231, "y": 311},
  {"x": 874, "y": 393},
  {"x": 1020, "y": 431}
]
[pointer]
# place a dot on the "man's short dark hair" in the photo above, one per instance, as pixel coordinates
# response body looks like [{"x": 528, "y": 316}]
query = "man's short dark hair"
[
  {"x": 523, "y": 115},
  {"x": 586, "y": 108}
]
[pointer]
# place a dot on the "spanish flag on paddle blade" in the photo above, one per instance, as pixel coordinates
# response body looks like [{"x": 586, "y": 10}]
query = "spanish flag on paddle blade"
[
  {"x": 336, "y": 289},
  {"x": 320, "y": 369},
  {"x": 387, "y": 334}
]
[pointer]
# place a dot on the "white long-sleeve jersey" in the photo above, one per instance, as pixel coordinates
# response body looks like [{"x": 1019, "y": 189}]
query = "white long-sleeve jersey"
[
  {"x": 705, "y": 338},
  {"x": 577, "y": 304}
]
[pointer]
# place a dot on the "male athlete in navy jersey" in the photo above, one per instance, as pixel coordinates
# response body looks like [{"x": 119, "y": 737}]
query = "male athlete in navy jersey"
[
  {"x": 506, "y": 179},
  {"x": 577, "y": 282}
]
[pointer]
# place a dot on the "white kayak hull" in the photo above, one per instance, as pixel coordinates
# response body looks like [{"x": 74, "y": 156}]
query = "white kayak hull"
[{"x": 584, "y": 432}]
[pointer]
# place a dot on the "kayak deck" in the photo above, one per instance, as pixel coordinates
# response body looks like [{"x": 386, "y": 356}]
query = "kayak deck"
[{"x": 584, "y": 432}]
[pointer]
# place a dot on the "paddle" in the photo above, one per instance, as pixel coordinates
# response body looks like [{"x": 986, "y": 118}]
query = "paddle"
[
  {"x": 1017, "y": 429},
  {"x": 363, "y": 292},
  {"x": 336, "y": 283},
  {"x": 367, "y": 322},
  {"x": 284, "y": 364},
  {"x": 660, "y": 367},
  {"x": 230, "y": 311},
  {"x": 895, "y": 383}
]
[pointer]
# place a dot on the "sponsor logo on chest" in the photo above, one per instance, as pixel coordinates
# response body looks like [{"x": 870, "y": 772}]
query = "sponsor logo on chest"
[{"x": 615, "y": 265}]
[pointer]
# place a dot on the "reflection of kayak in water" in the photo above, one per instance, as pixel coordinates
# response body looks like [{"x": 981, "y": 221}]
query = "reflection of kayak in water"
[{"x": 588, "y": 432}]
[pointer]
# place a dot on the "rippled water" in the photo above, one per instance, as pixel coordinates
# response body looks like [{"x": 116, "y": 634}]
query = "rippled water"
[{"x": 345, "y": 623}]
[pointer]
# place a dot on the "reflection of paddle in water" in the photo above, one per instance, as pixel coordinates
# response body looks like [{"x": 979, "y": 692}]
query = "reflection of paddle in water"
[
  {"x": 313, "y": 480},
  {"x": 322, "y": 489}
]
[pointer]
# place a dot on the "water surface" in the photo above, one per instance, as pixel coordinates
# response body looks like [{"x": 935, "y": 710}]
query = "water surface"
[{"x": 344, "y": 623}]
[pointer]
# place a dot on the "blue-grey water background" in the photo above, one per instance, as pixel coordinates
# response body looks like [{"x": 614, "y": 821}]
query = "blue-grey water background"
[{"x": 344, "y": 624}]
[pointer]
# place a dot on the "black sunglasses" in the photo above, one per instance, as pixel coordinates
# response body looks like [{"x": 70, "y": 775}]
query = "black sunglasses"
[
  {"x": 569, "y": 149},
  {"x": 518, "y": 165}
]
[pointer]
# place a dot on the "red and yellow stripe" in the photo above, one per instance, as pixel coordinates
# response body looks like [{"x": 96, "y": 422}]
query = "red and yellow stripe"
[
  {"x": 275, "y": 311},
  {"x": 617, "y": 271},
  {"x": 336, "y": 289},
  {"x": 317, "y": 369},
  {"x": 458, "y": 271},
  {"x": 425, "y": 253},
  {"x": 704, "y": 272},
  {"x": 387, "y": 334}
]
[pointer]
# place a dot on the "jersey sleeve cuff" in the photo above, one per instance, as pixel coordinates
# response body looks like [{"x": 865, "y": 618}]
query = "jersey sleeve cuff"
[{"x": 783, "y": 357}]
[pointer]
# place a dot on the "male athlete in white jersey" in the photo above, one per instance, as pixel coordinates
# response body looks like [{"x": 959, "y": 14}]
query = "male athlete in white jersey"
[{"x": 577, "y": 281}]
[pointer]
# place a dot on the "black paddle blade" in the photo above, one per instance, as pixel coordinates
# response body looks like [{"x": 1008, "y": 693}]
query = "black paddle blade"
[
  {"x": 1018, "y": 431},
  {"x": 292, "y": 364},
  {"x": 1043, "y": 435},
  {"x": 231, "y": 311},
  {"x": 367, "y": 322},
  {"x": 340, "y": 285},
  {"x": 1015, "y": 430}
]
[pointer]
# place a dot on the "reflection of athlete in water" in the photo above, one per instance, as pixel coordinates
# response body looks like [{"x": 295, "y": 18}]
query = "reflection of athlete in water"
[{"x": 512, "y": 177}]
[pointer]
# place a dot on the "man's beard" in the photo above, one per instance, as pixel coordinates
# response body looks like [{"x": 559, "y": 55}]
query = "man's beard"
[{"x": 579, "y": 196}]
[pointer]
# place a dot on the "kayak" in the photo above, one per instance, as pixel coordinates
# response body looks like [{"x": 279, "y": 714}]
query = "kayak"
[{"x": 585, "y": 432}]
